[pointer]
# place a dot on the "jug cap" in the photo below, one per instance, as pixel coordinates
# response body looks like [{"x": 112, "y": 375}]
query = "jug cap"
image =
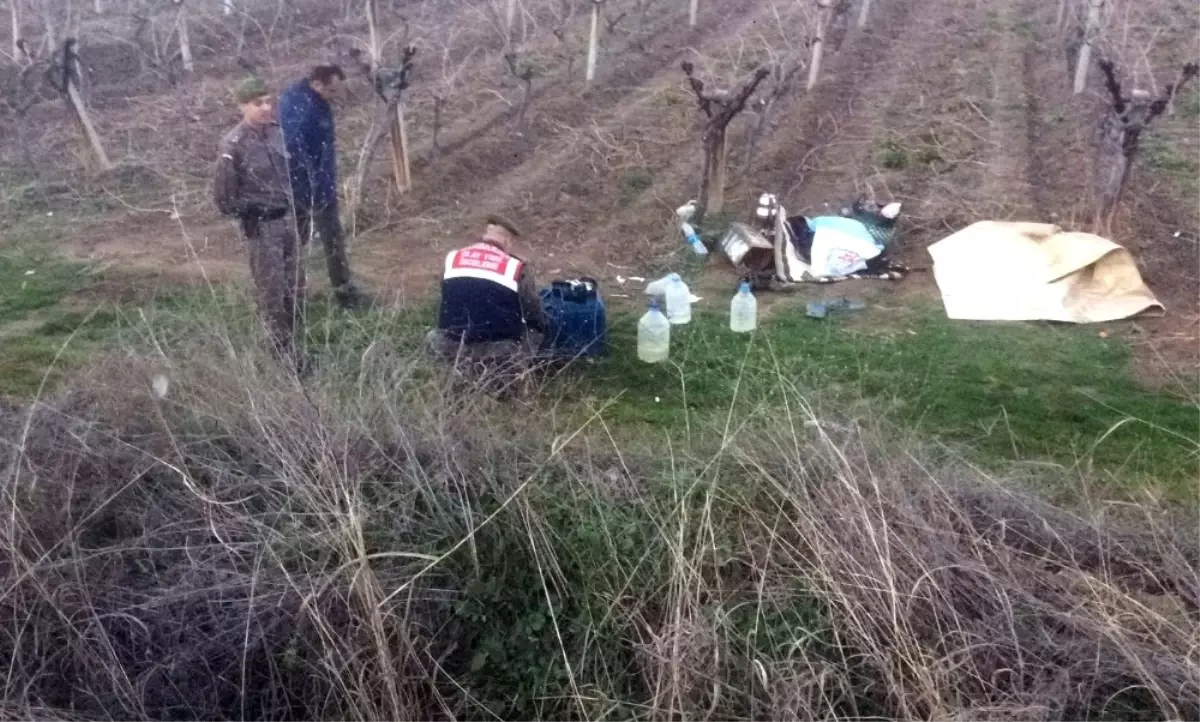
[{"x": 744, "y": 287}]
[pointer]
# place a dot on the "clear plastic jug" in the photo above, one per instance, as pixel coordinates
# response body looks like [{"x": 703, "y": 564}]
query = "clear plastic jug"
[
  {"x": 743, "y": 310},
  {"x": 679, "y": 300},
  {"x": 653, "y": 336}
]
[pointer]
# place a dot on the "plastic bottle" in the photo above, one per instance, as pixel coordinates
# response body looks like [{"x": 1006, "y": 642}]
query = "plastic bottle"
[
  {"x": 743, "y": 310},
  {"x": 693, "y": 240},
  {"x": 679, "y": 300},
  {"x": 654, "y": 335}
]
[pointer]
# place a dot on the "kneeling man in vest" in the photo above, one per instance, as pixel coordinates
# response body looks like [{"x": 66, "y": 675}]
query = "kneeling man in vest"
[{"x": 490, "y": 308}]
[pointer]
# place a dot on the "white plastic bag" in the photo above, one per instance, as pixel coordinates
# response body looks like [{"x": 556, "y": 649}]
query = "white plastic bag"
[{"x": 837, "y": 253}]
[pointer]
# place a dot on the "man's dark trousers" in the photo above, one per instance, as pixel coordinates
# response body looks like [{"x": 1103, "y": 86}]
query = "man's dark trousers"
[{"x": 324, "y": 222}]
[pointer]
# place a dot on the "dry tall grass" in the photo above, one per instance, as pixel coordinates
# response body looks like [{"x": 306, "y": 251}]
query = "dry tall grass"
[{"x": 372, "y": 548}]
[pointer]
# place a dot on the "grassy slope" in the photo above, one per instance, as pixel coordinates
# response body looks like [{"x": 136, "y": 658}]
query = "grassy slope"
[{"x": 1005, "y": 392}]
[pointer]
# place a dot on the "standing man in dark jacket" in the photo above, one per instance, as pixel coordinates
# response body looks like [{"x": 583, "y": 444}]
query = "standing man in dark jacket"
[
  {"x": 251, "y": 183},
  {"x": 306, "y": 118}
]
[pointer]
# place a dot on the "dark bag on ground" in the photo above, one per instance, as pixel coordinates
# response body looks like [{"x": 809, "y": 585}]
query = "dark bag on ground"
[{"x": 577, "y": 322}]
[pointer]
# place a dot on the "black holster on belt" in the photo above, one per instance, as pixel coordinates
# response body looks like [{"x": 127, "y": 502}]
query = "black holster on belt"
[{"x": 254, "y": 216}]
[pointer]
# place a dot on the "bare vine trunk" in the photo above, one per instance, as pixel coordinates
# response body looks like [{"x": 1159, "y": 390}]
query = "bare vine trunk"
[
  {"x": 401, "y": 170},
  {"x": 720, "y": 110},
  {"x": 185, "y": 40},
  {"x": 15, "y": 11},
  {"x": 824, "y": 10},
  {"x": 593, "y": 39},
  {"x": 439, "y": 103},
  {"x": 1091, "y": 28},
  {"x": 373, "y": 29},
  {"x": 693, "y": 12},
  {"x": 523, "y": 110},
  {"x": 380, "y": 124},
  {"x": 864, "y": 11},
  {"x": 712, "y": 185},
  {"x": 84, "y": 121}
]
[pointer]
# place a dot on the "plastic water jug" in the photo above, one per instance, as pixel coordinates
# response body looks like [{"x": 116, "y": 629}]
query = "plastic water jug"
[
  {"x": 743, "y": 310},
  {"x": 654, "y": 335},
  {"x": 679, "y": 300}
]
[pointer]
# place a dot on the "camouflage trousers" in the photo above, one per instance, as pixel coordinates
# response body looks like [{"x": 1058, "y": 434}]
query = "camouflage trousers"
[{"x": 277, "y": 265}]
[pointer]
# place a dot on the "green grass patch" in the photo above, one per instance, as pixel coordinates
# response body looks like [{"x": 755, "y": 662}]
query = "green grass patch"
[
  {"x": 33, "y": 331},
  {"x": 1188, "y": 104},
  {"x": 1026, "y": 392},
  {"x": 1007, "y": 391},
  {"x": 34, "y": 281},
  {"x": 1164, "y": 156}
]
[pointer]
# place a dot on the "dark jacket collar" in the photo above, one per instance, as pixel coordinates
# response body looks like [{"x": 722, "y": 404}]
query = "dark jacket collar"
[{"x": 304, "y": 87}]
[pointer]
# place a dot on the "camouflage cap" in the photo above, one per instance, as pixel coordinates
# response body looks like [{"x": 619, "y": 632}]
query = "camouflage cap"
[
  {"x": 501, "y": 221},
  {"x": 249, "y": 89}
]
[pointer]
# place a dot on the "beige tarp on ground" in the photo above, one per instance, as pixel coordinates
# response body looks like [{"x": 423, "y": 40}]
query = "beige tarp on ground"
[{"x": 1012, "y": 271}]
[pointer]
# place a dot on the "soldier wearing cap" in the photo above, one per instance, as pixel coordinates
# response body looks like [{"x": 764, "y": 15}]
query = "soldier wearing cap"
[
  {"x": 252, "y": 184},
  {"x": 490, "y": 308}
]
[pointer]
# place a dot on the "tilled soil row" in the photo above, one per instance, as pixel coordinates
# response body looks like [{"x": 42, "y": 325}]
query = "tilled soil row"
[{"x": 781, "y": 155}]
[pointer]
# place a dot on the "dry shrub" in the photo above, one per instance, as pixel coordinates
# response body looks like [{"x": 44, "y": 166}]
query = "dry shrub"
[
  {"x": 966, "y": 601},
  {"x": 198, "y": 562},
  {"x": 247, "y": 547}
]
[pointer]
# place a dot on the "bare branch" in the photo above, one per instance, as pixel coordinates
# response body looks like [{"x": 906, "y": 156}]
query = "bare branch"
[{"x": 1112, "y": 84}]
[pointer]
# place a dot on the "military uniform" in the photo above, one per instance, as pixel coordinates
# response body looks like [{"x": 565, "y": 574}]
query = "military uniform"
[
  {"x": 252, "y": 184},
  {"x": 491, "y": 316}
]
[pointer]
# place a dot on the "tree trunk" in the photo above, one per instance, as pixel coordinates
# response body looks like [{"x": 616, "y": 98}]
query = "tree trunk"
[
  {"x": 373, "y": 30},
  {"x": 712, "y": 183},
  {"x": 1085, "y": 53},
  {"x": 693, "y": 11},
  {"x": 839, "y": 25},
  {"x": 526, "y": 96},
  {"x": 818, "y": 45},
  {"x": 436, "y": 145},
  {"x": 50, "y": 39},
  {"x": 593, "y": 38},
  {"x": 185, "y": 40},
  {"x": 510, "y": 16},
  {"x": 15, "y": 10},
  {"x": 227, "y": 7},
  {"x": 379, "y": 127},
  {"x": 716, "y": 191},
  {"x": 864, "y": 11},
  {"x": 401, "y": 171},
  {"x": 79, "y": 110},
  {"x": 98, "y": 7},
  {"x": 1111, "y": 166},
  {"x": 1060, "y": 18}
]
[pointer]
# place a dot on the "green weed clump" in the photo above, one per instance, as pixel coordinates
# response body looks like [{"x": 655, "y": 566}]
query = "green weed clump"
[{"x": 380, "y": 544}]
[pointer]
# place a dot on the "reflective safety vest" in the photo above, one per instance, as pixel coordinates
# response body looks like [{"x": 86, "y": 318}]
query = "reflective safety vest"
[{"x": 480, "y": 301}]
